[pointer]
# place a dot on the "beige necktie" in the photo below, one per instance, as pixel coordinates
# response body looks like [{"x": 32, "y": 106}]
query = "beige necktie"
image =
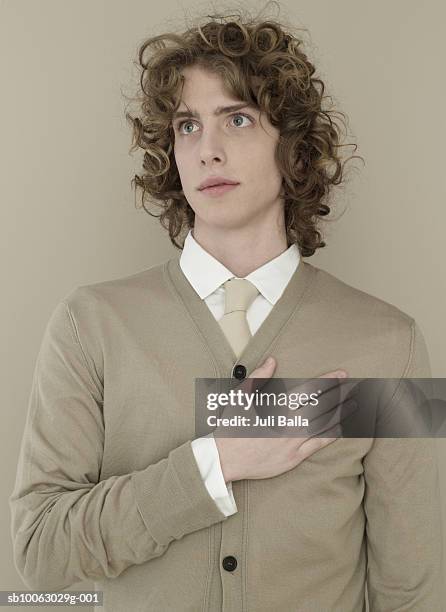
[{"x": 239, "y": 295}]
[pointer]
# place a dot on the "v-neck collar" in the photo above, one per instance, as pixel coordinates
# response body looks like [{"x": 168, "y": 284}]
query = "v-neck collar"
[{"x": 259, "y": 345}]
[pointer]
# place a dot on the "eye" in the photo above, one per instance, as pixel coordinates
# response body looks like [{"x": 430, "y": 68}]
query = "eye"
[
  {"x": 242, "y": 115},
  {"x": 182, "y": 123}
]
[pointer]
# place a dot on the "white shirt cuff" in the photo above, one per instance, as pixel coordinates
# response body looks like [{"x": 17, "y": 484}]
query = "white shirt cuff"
[{"x": 208, "y": 460}]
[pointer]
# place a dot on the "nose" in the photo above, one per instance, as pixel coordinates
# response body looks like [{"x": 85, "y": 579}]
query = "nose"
[{"x": 211, "y": 147}]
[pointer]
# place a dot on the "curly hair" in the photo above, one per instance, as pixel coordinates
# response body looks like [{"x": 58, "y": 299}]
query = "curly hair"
[{"x": 260, "y": 62}]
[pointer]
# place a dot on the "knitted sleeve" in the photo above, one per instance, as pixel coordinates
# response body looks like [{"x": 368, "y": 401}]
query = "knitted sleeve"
[
  {"x": 403, "y": 511},
  {"x": 68, "y": 524}
]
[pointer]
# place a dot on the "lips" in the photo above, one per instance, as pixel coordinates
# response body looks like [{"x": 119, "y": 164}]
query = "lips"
[
  {"x": 215, "y": 181},
  {"x": 216, "y": 185},
  {"x": 219, "y": 190}
]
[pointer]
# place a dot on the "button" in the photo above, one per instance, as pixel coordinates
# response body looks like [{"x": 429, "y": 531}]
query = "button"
[
  {"x": 229, "y": 563},
  {"x": 239, "y": 372}
]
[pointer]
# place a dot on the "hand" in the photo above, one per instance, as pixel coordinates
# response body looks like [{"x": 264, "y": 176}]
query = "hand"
[{"x": 257, "y": 458}]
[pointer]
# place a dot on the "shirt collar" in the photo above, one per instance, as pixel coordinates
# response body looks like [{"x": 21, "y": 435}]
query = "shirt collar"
[{"x": 206, "y": 274}]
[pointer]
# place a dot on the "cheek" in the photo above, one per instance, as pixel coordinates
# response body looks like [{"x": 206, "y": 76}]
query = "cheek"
[
  {"x": 263, "y": 170},
  {"x": 260, "y": 156}
]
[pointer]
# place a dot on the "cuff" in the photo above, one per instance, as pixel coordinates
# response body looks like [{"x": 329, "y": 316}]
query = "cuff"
[
  {"x": 172, "y": 498},
  {"x": 208, "y": 461}
]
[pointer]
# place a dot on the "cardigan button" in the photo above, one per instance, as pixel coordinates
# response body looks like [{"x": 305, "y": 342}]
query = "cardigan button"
[
  {"x": 229, "y": 563},
  {"x": 239, "y": 372}
]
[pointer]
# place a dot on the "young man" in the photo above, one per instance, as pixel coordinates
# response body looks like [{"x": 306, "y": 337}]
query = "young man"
[{"x": 111, "y": 484}]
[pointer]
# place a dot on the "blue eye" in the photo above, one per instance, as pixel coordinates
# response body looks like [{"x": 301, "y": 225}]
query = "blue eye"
[
  {"x": 241, "y": 115},
  {"x": 180, "y": 125}
]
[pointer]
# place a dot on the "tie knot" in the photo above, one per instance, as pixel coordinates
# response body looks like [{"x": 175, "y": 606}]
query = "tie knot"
[{"x": 239, "y": 294}]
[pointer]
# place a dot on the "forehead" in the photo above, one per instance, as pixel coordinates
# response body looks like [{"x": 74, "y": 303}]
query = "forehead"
[
  {"x": 206, "y": 90},
  {"x": 195, "y": 75},
  {"x": 202, "y": 85}
]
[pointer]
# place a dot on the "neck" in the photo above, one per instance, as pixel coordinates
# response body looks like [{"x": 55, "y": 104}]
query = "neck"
[{"x": 243, "y": 249}]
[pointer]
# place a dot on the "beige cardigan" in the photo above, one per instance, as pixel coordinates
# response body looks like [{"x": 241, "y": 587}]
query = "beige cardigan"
[{"x": 108, "y": 488}]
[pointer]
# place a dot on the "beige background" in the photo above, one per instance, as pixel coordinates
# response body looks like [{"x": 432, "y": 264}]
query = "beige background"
[{"x": 68, "y": 214}]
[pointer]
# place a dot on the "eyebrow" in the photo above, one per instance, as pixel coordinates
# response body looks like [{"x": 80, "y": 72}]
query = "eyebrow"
[{"x": 220, "y": 110}]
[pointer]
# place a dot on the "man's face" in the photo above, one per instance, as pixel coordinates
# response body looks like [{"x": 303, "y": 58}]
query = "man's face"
[{"x": 231, "y": 145}]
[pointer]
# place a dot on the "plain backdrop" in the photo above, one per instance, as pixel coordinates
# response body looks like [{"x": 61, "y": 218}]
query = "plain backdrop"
[{"x": 68, "y": 215}]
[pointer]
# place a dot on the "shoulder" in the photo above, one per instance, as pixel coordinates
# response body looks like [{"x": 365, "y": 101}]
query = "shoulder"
[
  {"x": 358, "y": 319},
  {"x": 347, "y": 302},
  {"x": 114, "y": 293}
]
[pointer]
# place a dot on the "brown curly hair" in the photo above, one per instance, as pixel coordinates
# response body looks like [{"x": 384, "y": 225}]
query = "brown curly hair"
[{"x": 260, "y": 62}]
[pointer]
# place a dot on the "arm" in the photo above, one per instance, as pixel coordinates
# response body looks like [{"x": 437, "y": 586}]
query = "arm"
[
  {"x": 67, "y": 523},
  {"x": 403, "y": 512}
]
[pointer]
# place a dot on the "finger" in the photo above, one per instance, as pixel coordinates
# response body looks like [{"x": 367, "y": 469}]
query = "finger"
[
  {"x": 319, "y": 385},
  {"x": 246, "y": 387},
  {"x": 327, "y": 400},
  {"x": 258, "y": 377},
  {"x": 320, "y": 428},
  {"x": 335, "y": 374},
  {"x": 312, "y": 445},
  {"x": 336, "y": 414},
  {"x": 316, "y": 403}
]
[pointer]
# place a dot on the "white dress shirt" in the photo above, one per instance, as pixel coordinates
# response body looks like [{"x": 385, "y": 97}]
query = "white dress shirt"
[{"x": 207, "y": 275}]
